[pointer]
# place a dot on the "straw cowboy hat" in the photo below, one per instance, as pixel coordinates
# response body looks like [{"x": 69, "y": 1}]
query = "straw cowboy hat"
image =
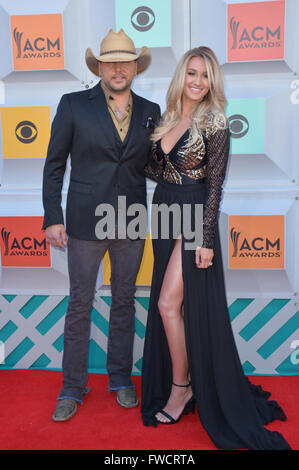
[{"x": 118, "y": 47}]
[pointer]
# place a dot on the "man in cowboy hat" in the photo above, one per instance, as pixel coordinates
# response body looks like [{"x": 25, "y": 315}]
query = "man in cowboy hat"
[{"x": 106, "y": 131}]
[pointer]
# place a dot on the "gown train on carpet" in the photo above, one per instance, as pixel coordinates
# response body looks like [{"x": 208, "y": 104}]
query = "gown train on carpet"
[{"x": 231, "y": 409}]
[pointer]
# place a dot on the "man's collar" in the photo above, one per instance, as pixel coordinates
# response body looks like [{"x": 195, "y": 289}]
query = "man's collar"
[
  {"x": 108, "y": 95},
  {"x": 105, "y": 91}
]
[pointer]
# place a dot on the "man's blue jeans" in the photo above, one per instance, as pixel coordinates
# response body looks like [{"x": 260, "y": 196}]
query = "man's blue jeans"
[{"x": 84, "y": 258}]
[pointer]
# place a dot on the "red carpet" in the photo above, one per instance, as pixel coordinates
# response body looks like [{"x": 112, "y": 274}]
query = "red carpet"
[{"x": 28, "y": 399}]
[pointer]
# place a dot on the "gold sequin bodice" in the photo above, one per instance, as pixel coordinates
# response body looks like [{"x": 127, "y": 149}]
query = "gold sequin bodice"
[{"x": 205, "y": 160}]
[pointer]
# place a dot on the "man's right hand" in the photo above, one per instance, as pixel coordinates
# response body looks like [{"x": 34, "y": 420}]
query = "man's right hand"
[{"x": 56, "y": 235}]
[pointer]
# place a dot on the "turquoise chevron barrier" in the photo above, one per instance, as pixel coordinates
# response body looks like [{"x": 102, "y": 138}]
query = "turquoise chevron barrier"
[{"x": 31, "y": 333}]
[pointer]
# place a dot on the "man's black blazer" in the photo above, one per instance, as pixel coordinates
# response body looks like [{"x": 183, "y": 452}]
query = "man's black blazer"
[{"x": 102, "y": 166}]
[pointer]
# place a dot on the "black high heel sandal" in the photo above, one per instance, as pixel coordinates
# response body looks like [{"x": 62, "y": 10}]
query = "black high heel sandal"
[{"x": 189, "y": 408}]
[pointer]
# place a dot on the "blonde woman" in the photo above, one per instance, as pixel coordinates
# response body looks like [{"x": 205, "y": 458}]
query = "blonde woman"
[{"x": 190, "y": 358}]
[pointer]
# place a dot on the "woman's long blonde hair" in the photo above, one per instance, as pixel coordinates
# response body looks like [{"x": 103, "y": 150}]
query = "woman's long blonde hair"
[{"x": 214, "y": 101}]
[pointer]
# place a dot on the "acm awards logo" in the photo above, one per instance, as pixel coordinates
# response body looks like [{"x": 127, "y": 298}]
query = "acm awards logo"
[
  {"x": 143, "y": 19},
  {"x": 256, "y": 247},
  {"x": 25, "y": 246},
  {"x": 253, "y": 38},
  {"x": 39, "y": 48}
]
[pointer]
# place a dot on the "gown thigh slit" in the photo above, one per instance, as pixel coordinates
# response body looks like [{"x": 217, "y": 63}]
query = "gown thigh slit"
[
  {"x": 231, "y": 409},
  {"x": 171, "y": 272}
]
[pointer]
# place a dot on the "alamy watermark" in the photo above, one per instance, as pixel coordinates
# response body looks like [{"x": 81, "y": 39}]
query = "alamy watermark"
[
  {"x": 166, "y": 222},
  {"x": 295, "y": 354},
  {"x": 2, "y": 352},
  {"x": 294, "y": 97}
]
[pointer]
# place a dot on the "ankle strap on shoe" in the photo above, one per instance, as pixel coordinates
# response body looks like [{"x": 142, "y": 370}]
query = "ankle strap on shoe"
[{"x": 176, "y": 385}]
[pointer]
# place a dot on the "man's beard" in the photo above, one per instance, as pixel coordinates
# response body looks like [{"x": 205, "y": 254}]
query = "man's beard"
[{"x": 125, "y": 87}]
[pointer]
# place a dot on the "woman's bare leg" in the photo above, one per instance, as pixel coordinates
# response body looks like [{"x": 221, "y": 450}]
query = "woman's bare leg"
[{"x": 171, "y": 311}]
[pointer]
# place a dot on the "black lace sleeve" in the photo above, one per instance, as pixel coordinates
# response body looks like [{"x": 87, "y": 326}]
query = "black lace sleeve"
[
  {"x": 217, "y": 156},
  {"x": 155, "y": 166}
]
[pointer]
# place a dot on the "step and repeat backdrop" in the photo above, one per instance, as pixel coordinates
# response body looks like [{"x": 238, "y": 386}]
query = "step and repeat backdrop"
[{"x": 43, "y": 46}]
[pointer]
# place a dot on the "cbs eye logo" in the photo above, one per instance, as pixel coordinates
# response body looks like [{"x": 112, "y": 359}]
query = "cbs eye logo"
[
  {"x": 238, "y": 125},
  {"x": 143, "y": 19},
  {"x": 26, "y": 132}
]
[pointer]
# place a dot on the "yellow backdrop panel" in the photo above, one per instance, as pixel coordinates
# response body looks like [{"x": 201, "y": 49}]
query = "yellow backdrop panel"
[{"x": 144, "y": 277}]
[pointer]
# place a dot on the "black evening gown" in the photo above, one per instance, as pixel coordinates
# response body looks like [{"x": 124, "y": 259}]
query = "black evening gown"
[{"x": 232, "y": 410}]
